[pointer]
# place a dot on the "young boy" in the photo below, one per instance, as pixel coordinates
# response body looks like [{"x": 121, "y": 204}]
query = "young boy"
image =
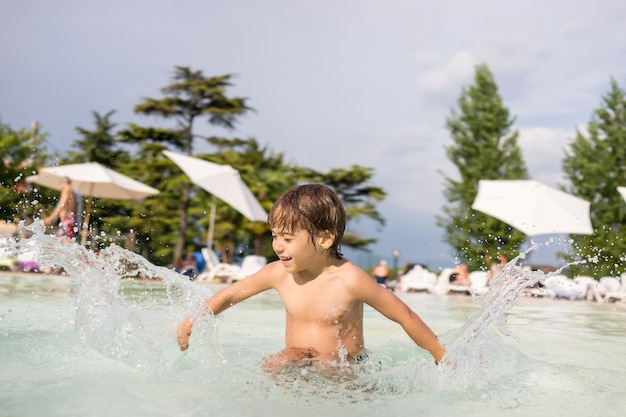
[{"x": 322, "y": 292}]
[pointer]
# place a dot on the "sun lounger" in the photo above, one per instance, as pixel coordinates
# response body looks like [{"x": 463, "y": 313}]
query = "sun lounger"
[
  {"x": 7, "y": 260},
  {"x": 607, "y": 285},
  {"x": 249, "y": 265},
  {"x": 417, "y": 279},
  {"x": 443, "y": 285},
  {"x": 459, "y": 289},
  {"x": 479, "y": 282},
  {"x": 215, "y": 269},
  {"x": 589, "y": 286},
  {"x": 565, "y": 287},
  {"x": 620, "y": 293},
  {"x": 540, "y": 292}
]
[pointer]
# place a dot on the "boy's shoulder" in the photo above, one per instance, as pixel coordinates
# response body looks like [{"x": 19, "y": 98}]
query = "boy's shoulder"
[{"x": 348, "y": 269}]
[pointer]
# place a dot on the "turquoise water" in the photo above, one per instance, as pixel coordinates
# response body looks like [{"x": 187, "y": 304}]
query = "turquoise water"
[{"x": 96, "y": 345}]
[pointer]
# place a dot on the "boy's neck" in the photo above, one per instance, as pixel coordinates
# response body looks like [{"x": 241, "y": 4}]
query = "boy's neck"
[{"x": 326, "y": 263}]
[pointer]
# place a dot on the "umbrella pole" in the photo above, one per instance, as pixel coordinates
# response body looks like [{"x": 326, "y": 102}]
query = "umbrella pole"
[{"x": 209, "y": 240}]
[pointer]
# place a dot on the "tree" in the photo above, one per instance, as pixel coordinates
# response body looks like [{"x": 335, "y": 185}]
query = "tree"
[
  {"x": 595, "y": 165},
  {"x": 22, "y": 152},
  {"x": 265, "y": 173},
  {"x": 190, "y": 96},
  {"x": 267, "y": 176},
  {"x": 149, "y": 226},
  {"x": 359, "y": 197},
  {"x": 98, "y": 145},
  {"x": 485, "y": 147}
]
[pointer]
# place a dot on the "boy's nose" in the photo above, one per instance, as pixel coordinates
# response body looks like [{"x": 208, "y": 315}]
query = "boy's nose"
[{"x": 277, "y": 247}]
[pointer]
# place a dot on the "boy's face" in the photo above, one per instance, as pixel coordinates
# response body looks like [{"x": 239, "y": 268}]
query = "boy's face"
[{"x": 296, "y": 250}]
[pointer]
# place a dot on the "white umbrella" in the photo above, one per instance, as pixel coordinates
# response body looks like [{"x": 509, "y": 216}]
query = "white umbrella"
[
  {"x": 93, "y": 180},
  {"x": 532, "y": 207},
  {"x": 224, "y": 182},
  {"x": 622, "y": 191}
]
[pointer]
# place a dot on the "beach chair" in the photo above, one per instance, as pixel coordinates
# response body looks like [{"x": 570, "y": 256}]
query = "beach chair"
[
  {"x": 213, "y": 268},
  {"x": 443, "y": 286},
  {"x": 607, "y": 285},
  {"x": 540, "y": 292},
  {"x": 620, "y": 294},
  {"x": 7, "y": 258},
  {"x": 565, "y": 287},
  {"x": 479, "y": 282},
  {"x": 589, "y": 286},
  {"x": 538, "y": 289},
  {"x": 459, "y": 289},
  {"x": 417, "y": 279},
  {"x": 249, "y": 265}
]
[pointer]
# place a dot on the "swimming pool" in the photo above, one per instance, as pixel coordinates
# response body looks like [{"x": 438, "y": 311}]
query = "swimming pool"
[{"x": 97, "y": 345}]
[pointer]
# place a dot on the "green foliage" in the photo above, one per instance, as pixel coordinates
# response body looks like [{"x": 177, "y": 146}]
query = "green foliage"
[
  {"x": 359, "y": 197},
  {"x": 136, "y": 134},
  {"x": 266, "y": 175},
  {"x": 191, "y": 95},
  {"x": 485, "y": 147},
  {"x": 22, "y": 151},
  {"x": 98, "y": 145},
  {"x": 595, "y": 164},
  {"x": 175, "y": 221},
  {"x": 141, "y": 226}
]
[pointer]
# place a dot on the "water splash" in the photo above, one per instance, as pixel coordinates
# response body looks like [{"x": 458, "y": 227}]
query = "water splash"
[
  {"x": 470, "y": 349},
  {"x": 104, "y": 319},
  {"x": 119, "y": 329}
]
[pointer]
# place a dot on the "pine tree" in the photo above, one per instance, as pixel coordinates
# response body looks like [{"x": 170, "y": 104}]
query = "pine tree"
[
  {"x": 192, "y": 95},
  {"x": 485, "y": 147},
  {"x": 595, "y": 164},
  {"x": 98, "y": 145}
]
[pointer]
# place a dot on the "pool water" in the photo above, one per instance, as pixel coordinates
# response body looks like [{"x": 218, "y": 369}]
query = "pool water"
[{"x": 99, "y": 344}]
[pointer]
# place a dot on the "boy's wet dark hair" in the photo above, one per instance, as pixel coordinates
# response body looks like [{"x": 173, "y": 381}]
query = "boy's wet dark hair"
[{"x": 311, "y": 207}]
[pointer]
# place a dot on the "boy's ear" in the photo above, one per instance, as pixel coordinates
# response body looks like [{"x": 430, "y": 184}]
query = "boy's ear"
[{"x": 326, "y": 239}]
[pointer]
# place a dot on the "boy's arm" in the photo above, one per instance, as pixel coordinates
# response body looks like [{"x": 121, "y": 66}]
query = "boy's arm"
[
  {"x": 395, "y": 309},
  {"x": 422, "y": 334},
  {"x": 229, "y": 296}
]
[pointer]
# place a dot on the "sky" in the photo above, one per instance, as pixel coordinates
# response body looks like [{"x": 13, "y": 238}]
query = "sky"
[{"x": 333, "y": 83}]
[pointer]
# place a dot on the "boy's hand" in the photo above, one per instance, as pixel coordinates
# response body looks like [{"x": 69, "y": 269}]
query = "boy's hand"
[
  {"x": 440, "y": 355},
  {"x": 183, "y": 333}
]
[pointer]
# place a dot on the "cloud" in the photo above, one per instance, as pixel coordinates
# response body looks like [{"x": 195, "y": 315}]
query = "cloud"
[
  {"x": 334, "y": 84},
  {"x": 444, "y": 78},
  {"x": 408, "y": 162},
  {"x": 543, "y": 150}
]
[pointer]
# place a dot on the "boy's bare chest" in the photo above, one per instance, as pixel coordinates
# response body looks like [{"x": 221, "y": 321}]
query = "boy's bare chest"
[{"x": 326, "y": 304}]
